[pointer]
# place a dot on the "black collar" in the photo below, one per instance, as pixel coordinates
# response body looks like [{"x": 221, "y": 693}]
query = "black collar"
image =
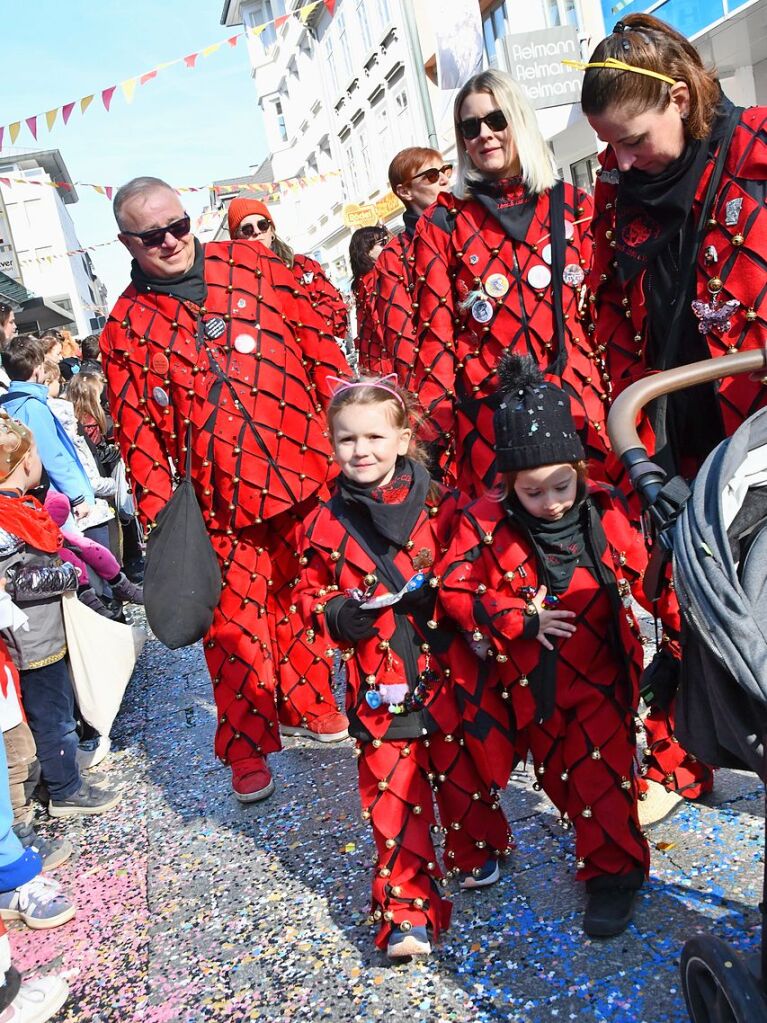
[{"x": 189, "y": 287}]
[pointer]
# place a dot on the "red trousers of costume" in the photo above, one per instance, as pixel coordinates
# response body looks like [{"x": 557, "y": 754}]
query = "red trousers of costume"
[
  {"x": 399, "y": 782},
  {"x": 668, "y": 763},
  {"x": 585, "y": 761},
  {"x": 263, "y": 667}
]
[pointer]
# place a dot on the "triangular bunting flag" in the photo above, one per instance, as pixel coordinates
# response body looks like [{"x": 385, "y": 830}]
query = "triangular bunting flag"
[
  {"x": 66, "y": 111},
  {"x": 6, "y": 182},
  {"x": 279, "y": 22},
  {"x": 232, "y": 40},
  {"x": 108, "y": 191},
  {"x": 107, "y": 95},
  {"x": 128, "y": 87},
  {"x": 211, "y": 49},
  {"x": 101, "y": 190},
  {"x": 85, "y": 102},
  {"x": 148, "y": 77},
  {"x": 50, "y": 117},
  {"x": 14, "y": 130},
  {"x": 191, "y": 59},
  {"x": 256, "y": 30},
  {"x": 32, "y": 125},
  {"x": 331, "y": 6},
  {"x": 306, "y": 12}
]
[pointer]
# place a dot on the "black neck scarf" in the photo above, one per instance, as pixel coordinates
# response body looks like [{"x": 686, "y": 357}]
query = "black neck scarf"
[
  {"x": 189, "y": 287},
  {"x": 509, "y": 202},
  {"x": 561, "y": 544},
  {"x": 394, "y": 521},
  {"x": 654, "y": 209},
  {"x": 411, "y": 219}
]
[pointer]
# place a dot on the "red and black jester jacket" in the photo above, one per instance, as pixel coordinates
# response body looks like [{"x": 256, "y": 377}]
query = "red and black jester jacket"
[{"x": 325, "y": 298}]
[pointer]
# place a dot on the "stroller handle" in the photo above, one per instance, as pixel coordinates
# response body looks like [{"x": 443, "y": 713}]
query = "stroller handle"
[
  {"x": 621, "y": 422},
  {"x": 644, "y": 475}
]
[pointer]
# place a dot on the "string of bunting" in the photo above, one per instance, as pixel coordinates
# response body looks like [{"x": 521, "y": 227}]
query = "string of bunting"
[
  {"x": 291, "y": 184},
  {"x": 129, "y": 85}
]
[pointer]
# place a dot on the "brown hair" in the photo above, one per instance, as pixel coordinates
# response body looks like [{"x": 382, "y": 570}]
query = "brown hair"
[
  {"x": 504, "y": 486},
  {"x": 5, "y": 313},
  {"x": 406, "y": 163},
  {"x": 647, "y": 42},
  {"x": 22, "y": 356},
  {"x": 84, "y": 391},
  {"x": 401, "y": 406},
  {"x": 51, "y": 372}
]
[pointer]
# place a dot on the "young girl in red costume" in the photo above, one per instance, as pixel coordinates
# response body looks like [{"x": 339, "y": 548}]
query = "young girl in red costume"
[
  {"x": 367, "y": 583},
  {"x": 541, "y": 572}
]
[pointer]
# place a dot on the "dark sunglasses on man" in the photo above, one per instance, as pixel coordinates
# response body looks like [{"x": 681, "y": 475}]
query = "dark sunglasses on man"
[
  {"x": 472, "y": 126},
  {"x": 155, "y": 238},
  {"x": 433, "y": 174},
  {"x": 248, "y": 230}
]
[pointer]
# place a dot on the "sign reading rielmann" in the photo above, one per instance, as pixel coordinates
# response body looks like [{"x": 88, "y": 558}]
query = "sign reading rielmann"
[{"x": 535, "y": 60}]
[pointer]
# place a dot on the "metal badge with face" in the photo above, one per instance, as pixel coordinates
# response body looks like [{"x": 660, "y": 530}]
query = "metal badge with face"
[
  {"x": 214, "y": 328},
  {"x": 710, "y": 255},
  {"x": 497, "y": 285},
  {"x": 160, "y": 396},
  {"x": 482, "y": 310},
  {"x": 574, "y": 275},
  {"x": 732, "y": 212},
  {"x": 308, "y": 277}
]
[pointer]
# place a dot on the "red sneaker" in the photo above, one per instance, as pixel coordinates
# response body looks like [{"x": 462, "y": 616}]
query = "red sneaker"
[
  {"x": 330, "y": 727},
  {"x": 252, "y": 780}
]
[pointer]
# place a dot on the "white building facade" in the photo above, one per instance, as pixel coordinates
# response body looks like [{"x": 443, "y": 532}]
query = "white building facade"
[{"x": 42, "y": 232}]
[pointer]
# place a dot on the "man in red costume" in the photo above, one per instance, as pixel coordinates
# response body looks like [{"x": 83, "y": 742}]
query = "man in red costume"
[{"x": 216, "y": 343}]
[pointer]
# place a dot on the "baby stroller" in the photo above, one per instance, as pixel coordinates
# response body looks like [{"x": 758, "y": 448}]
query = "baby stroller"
[{"x": 718, "y": 537}]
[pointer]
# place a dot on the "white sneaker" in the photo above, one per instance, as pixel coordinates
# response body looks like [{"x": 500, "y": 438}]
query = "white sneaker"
[
  {"x": 92, "y": 752},
  {"x": 37, "y": 1001},
  {"x": 658, "y": 804}
]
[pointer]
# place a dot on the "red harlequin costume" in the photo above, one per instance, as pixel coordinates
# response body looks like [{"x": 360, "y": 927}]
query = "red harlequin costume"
[
  {"x": 325, "y": 298},
  {"x": 368, "y": 341},
  {"x": 468, "y": 267},
  {"x": 729, "y": 267},
  {"x": 405, "y": 758},
  {"x": 581, "y": 733},
  {"x": 260, "y": 460},
  {"x": 393, "y": 304}
]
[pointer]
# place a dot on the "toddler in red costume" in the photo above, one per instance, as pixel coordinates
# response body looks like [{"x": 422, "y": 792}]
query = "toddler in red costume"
[
  {"x": 367, "y": 584},
  {"x": 541, "y": 572}
]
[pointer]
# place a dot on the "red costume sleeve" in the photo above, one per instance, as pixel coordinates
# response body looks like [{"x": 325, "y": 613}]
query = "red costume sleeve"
[
  {"x": 393, "y": 303},
  {"x": 325, "y": 298},
  {"x": 433, "y": 372},
  {"x": 369, "y": 339},
  {"x": 144, "y": 457}
]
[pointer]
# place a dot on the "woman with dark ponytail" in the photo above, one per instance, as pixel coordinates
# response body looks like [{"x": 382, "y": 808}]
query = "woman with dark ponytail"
[{"x": 680, "y": 242}]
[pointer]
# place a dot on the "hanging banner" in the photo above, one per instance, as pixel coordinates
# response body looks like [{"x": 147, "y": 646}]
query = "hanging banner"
[
  {"x": 9, "y": 263},
  {"x": 355, "y": 215},
  {"x": 460, "y": 47},
  {"x": 534, "y": 60}
]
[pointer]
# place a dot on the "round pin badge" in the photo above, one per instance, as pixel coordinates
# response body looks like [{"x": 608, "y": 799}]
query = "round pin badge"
[
  {"x": 160, "y": 396},
  {"x": 497, "y": 285},
  {"x": 160, "y": 362},
  {"x": 573, "y": 275},
  {"x": 482, "y": 311},
  {"x": 473, "y": 260},
  {"x": 546, "y": 254},
  {"x": 241, "y": 303},
  {"x": 245, "y": 344},
  {"x": 569, "y": 229},
  {"x": 539, "y": 277}
]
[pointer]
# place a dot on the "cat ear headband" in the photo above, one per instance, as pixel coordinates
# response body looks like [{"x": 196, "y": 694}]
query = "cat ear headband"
[{"x": 387, "y": 383}]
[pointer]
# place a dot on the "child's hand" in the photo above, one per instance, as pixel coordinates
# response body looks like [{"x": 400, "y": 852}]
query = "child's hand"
[{"x": 550, "y": 622}]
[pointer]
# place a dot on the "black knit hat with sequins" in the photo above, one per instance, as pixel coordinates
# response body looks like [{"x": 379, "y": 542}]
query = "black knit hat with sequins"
[{"x": 533, "y": 422}]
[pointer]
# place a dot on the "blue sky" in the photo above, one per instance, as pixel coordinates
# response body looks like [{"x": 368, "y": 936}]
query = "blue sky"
[{"x": 187, "y": 126}]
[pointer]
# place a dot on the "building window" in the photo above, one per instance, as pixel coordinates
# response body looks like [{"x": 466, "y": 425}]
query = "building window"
[
  {"x": 495, "y": 27},
  {"x": 362, "y": 18},
  {"x": 260, "y": 13},
  {"x": 384, "y": 13},
  {"x": 561, "y": 13},
  {"x": 584, "y": 172},
  {"x": 330, "y": 61},
  {"x": 281, "y": 127},
  {"x": 343, "y": 44},
  {"x": 366, "y": 169}
]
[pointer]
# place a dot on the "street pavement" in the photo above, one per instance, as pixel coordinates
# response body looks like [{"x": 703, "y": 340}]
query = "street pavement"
[{"x": 194, "y": 908}]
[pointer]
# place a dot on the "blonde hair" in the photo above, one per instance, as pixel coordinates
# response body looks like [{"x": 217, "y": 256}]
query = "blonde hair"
[
  {"x": 401, "y": 407},
  {"x": 535, "y": 159},
  {"x": 84, "y": 391},
  {"x": 51, "y": 371}
]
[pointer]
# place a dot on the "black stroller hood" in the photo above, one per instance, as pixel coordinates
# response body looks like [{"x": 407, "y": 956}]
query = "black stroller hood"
[{"x": 720, "y": 573}]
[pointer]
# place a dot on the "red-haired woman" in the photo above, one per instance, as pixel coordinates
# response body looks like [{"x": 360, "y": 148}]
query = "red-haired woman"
[
  {"x": 250, "y": 218},
  {"x": 680, "y": 242},
  {"x": 503, "y": 261},
  {"x": 417, "y": 176}
]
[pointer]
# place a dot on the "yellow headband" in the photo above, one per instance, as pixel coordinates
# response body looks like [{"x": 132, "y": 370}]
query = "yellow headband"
[{"x": 618, "y": 65}]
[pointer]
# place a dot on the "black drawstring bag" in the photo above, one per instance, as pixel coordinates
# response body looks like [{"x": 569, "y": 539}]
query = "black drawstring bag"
[{"x": 182, "y": 577}]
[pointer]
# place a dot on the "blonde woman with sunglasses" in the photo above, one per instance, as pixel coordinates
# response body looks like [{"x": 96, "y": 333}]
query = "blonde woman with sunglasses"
[{"x": 502, "y": 262}]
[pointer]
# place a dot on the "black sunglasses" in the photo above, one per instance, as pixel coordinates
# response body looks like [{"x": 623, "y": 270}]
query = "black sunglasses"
[
  {"x": 472, "y": 126},
  {"x": 248, "y": 230},
  {"x": 433, "y": 174},
  {"x": 154, "y": 239}
]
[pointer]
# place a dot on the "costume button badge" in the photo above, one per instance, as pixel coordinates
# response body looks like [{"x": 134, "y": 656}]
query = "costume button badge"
[
  {"x": 245, "y": 344},
  {"x": 308, "y": 277},
  {"x": 482, "y": 311},
  {"x": 539, "y": 277},
  {"x": 473, "y": 260},
  {"x": 497, "y": 285},
  {"x": 214, "y": 328},
  {"x": 160, "y": 396},
  {"x": 546, "y": 254},
  {"x": 573, "y": 275},
  {"x": 569, "y": 230},
  {"x": 241, "y": 303}
]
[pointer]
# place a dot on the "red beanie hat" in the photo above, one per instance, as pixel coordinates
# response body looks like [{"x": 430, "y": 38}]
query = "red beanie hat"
[{"x": 240, "y": 208}]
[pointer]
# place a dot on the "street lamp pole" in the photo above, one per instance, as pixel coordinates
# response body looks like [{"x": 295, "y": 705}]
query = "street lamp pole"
[{"x": 414, "y": 45}]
